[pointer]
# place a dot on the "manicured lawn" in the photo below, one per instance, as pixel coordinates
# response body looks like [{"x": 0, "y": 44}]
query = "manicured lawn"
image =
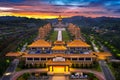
[
  {"x": 65, "y": 36},
  {"x": 53, "y": 36}
]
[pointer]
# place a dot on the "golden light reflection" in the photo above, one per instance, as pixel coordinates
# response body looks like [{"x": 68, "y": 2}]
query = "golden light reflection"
[
  {"x": 58, "y": 69},
  {"x": 50, "y": 68},
  {"x": 67, "y": 68}
]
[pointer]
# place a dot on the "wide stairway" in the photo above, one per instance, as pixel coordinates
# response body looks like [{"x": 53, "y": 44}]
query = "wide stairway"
[{"x": 59, "y": 78}]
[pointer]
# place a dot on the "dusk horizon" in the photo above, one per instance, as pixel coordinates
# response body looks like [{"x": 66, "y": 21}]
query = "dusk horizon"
[{"x": 47, "y": 9}]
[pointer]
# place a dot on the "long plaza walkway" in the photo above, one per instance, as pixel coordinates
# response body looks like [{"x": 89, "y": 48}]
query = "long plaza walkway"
[{"x": 59, "y": 37}]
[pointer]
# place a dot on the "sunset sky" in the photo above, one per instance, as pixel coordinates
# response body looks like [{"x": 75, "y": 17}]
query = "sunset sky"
[{"x": 66, "y": 8}]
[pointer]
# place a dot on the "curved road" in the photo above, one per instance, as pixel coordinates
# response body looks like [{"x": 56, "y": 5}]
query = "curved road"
[{"x": 15, "y": 75}]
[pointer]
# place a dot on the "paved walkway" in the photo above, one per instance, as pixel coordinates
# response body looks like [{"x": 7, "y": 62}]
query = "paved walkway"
[
  {"x": 59, "y": 37},
  {"x": 58, "y": 78},
  {"x": 10, "y": 70},
  {"x": 15, "y": 75}
]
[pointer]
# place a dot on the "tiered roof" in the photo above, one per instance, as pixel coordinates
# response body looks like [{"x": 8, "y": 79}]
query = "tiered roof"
[
  {"x": 102, "y": 55},
  {"x": 59, "y": 48},
  {"x": 40, "y": 43},
  {"x": 77, "y": 43},
  {"x": 14, "y": 54},
  {"x": 59, "y": 43}
]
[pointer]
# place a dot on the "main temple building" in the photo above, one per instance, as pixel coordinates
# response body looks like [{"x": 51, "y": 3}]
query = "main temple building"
[{"x": 60, "y": 55}]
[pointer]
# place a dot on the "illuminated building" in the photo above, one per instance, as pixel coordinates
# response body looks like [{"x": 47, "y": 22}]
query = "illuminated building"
[{"x": 60, "y": 56}]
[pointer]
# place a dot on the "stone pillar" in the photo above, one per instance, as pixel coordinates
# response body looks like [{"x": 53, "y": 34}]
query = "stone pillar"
[
  {"x": 91, "y": 59},
  {"x": 77, "y": 59},
  {"x": 84, "y": 59}
]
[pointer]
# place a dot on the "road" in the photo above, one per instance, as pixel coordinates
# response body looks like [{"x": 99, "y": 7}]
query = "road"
[
  {"x": 94, "y": 47},
  {"x": 105, "y": 69},
  {"x": 103, "y": 47},
  {"x": 8, "y": 33},
  {"x": 106, "y": 50},
  {"x": 24, "y": 47},
  {"x": 107, "y": 72},
  {"x": 19, "y": 73},
  {"x": 10, "y": 70}
]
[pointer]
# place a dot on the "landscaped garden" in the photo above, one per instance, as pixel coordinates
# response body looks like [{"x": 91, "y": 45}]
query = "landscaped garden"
[
  {"x": 65, "y": 36},
  {"x": 53, "y": 36}
]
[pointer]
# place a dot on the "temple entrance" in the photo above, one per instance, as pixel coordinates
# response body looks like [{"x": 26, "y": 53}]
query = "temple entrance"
[{"x": 58, "y": 69}]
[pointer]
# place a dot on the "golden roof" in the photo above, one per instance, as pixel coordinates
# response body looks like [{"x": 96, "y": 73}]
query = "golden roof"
[
  {"x": 102, "y": 55},
  {"x": 59, "y": 18},
  {"x": 60, "y": 55},
  {"x": 40, "y": 43},
  {"x": 59, "y": 48},
  {"x": 59, "y": 42},
  {"x": 77, "y": 43},
  {"x": 13, "y": 54}
]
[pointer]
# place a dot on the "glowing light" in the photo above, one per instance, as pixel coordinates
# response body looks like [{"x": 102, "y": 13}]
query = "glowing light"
[
  {"x": 50, "y": 68},
  {"x": 7, "y": 74},
  {"x": 67, "y": 68},
  {"x": 59, "y": 69}
]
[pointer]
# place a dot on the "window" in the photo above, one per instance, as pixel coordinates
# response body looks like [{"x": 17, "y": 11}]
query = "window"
[
  {"x": 36, "y": 58},
  {"x": 49, "y": 58},
  {"x": 74, "y": 58},
  {"x": 43, "y": 58},
  {"x": 33, "y": 48},
  {"x": 81, "y": 58},
  {"x": 88, "y": 59},
  {"x": 68, "y": 58},
  {"x": 29, "y": 58}
]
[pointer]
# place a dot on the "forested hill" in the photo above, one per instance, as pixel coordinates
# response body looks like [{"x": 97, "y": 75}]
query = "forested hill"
[
  {"x": 11, "y": 21},
  {"x": 100, "y": 21},
  {"x": 91, "y": 22}
]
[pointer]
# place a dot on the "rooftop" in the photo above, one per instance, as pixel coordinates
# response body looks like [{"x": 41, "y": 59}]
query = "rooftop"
[
  {"x": 102, "y": 55},
  {"x": 14, "y": 54},
  {"x": 59, "y": 48},
  {"x": 77, "y": 43},
  {"x": 40, "y": 43},
  {"x": 59, "y": 42}
]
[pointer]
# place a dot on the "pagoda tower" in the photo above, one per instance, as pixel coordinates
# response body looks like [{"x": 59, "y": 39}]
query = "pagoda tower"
[{"x": 59, "y": 19}]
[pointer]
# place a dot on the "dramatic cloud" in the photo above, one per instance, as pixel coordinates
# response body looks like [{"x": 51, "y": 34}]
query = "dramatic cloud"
[{"x": 66, "y": 8}]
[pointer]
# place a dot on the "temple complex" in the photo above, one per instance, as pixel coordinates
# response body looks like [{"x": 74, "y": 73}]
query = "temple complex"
[{"x": 59, "y": 56}]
